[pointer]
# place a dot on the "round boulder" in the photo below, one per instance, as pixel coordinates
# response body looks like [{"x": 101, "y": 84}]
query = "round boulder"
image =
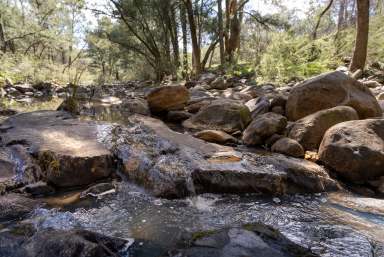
[
  {"x": 167, "y": 98},
  {"x": 224, "y": 114},
  {"x": 263, "y": 127},
  {"x": 330, "y": 90},
  {"x": 355, "y": 149},
  {"x": 309, "y": 131},
  {"x": 289, "y": 147}
]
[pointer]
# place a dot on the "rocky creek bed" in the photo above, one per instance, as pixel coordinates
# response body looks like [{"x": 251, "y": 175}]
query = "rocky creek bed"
[{"x": 217, "y": 167}]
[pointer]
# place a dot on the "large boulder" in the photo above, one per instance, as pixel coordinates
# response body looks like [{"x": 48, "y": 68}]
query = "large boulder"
[
  {"x": 263, "y": 127},
  {"x": 168, "y": 98},
  {"x": 67, "y": 150},
  {"x": 354, "y": 149},
  {"x": 309, "y": 131},
  {"x": 226, "y": 115},
  {"x": 330, "y": 90},
  {"x": 171, "y": 164}
]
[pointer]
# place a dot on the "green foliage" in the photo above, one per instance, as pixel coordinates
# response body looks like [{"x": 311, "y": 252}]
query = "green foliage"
[
  {"x": 27, "y": 68},
  {"x": 290, "y": 58}
]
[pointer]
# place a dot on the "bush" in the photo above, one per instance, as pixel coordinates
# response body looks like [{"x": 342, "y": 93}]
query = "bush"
[{"x": 291, "y": 57}]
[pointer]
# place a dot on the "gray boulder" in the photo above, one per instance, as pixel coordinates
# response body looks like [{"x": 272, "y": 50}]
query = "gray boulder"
[
  {"x": 224, "y": 114},
  {"x": 263, "y": 127},
  {"x": 354, "y": 149}
]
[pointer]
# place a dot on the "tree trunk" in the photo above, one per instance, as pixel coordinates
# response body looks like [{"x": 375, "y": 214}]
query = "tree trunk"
[
  {"x": 234, "y": 30},
  {"x": 221, "y": 31},
  {"x": 361, "y": 44},
  {"x": 3, "y": 44},
  {"x": 194, "y": 39},
  {"x": 185, "y": 40},
  {"x": 175, "y": 39},
  {"x": 341, "y": 18}
]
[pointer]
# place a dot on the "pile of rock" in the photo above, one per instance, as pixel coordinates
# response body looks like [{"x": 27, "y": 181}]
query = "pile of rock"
[
  {"x": 290, "y": 121},
  {"x": 329, "y": 113},
  {"x": 24, "y": 91}
]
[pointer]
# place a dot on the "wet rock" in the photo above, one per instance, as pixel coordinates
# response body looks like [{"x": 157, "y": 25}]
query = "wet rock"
[
  {"x": 226, "y": 115},
  {"x": 7, "y": 168},
  {"x": 173, "y": 165},
  {"x": 50, "y": 242},
  {"x": 67, "y": 150},
  {"x": 38, "y": 189},
  {"x": 309, "y": 131},
  {"x": 258, "y": 106},
  {"x": 354, "y": 149},
  {"x": 263, "y": 127},
  {"x": 15, "y": 206},
  {"x": 289, "y": 147},
  {"x": 215, "y": 136},
  {"x": 17, "y": 168},
  {"x": 170, "y": 164},
  {"x": 331, "y": 90},
  {"x": 265, "y": 173},
  {"x": 99, "y": 190},
  {"x": 168, "y": 98},
  {"x": 234, "y": 242}
]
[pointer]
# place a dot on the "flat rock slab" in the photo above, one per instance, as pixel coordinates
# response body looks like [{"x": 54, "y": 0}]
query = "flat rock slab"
[
  {"x": 172, "y": 164},
  {"x": 239, "y": 242},
  {"x": 67, "y": 150}
]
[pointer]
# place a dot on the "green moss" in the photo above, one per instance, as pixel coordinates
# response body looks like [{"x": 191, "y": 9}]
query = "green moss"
[
  {"x": 49, "y": 162},
  {"x": 245, "y": 116},
  {"x": 201, "y": 234}
]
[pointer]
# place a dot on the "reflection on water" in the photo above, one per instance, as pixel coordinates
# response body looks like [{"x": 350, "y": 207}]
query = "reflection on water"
[
  {"x": 35, "y": 104},
  {"x": 157, "y": 224}
]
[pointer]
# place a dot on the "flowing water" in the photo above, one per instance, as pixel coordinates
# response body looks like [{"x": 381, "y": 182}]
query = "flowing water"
[{"x": 317, "y": 221}]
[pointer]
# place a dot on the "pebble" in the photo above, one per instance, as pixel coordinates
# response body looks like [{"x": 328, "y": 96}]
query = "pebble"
[{"x": 276, "y": 200}]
